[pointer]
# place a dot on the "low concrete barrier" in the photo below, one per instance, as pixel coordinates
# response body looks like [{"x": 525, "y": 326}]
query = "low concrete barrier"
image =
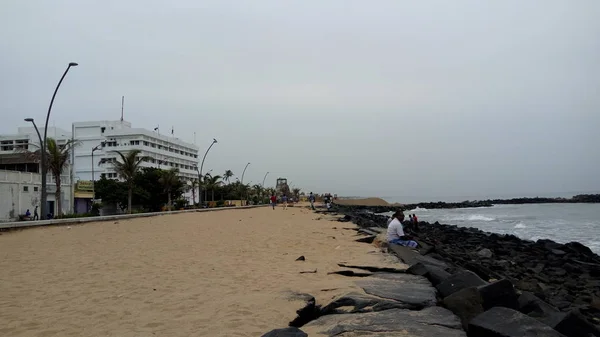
[{"x": 74, "y": 221}]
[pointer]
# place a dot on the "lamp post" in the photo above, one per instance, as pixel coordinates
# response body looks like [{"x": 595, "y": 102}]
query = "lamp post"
[
  {"x": 32, "y": 121},
  {"x": 43, "y": 145},
  {"x": 200, "y": 172},
  {"x": 96, "y": 148},
  {"x": 262, "y": 196},
  {"x": 242, "y": 182}
]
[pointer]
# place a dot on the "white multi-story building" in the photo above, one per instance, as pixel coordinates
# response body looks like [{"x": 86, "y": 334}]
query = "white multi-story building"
[
  {"x": 26, "y": 136},
  {"x": 108, "y": 137}
]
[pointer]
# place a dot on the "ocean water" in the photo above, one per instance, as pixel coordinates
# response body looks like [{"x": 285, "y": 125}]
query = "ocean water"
[{"x": 559, "y": 222}]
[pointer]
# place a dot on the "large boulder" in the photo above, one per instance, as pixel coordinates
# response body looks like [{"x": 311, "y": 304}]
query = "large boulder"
[
  {"x": 499, "y": 294},
  {"x": 307, "y": 313},
  {"x": 505, "y": 322},
  {"x": 466, "y": 304},
  {"x": 459, "y": 281},
  {"x": 410, "y": 289},
  {"x": 360, "y": 303},
  {"x": 286, "y": 332},
  {"x": 411, "y": 256},
  {"x": 572, "y": 324},
  {"x": 432, "y": 321},
  {"x": 435, "y": 275}
]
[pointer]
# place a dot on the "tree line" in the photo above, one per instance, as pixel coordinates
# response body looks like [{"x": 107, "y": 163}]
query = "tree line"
[{"x": 149, "y": 188}]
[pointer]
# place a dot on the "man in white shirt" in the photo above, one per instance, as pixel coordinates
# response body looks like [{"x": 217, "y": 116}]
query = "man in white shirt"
[{"x": 395, "y": 232}]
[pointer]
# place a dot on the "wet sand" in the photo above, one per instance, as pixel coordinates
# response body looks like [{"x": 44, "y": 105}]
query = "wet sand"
[{"x": 229, "y": 273}]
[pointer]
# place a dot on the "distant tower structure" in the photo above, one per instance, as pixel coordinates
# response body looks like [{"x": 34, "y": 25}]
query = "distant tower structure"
[{"x": 282, "y": 186}]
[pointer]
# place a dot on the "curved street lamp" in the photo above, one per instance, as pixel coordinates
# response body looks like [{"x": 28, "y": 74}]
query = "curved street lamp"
[
  {"x": 43, "y": 145},
  {"x": 263, "y": 183},
  {"x": 200, "y": 173},
  {"x": 242, "y": 182}
]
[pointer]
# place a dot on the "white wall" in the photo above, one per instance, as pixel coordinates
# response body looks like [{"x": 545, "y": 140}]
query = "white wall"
[{"x": 14, "y": 200}]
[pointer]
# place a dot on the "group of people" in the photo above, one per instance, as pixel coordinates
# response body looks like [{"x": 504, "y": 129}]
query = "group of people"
[
  {"x": 395, "y": 230},
  {"x": 327, "y": 199},
  {"x": 35, "y": 214},
  {"x": 284, "y": 201}
]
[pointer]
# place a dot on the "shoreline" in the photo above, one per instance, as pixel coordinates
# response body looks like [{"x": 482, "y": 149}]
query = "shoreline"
[{"x": 379, "y": 202}]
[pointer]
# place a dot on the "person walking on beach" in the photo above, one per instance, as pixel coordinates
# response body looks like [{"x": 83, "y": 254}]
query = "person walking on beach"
[
  {"x": 35, "y": 214},
  {"x": 273, "y": 201},
  {"x": 410, "y": 218},
  {"x": 395, "y": 232},
  {"x": 284, "y": 200},
  {"x": 311, "y": 198}
]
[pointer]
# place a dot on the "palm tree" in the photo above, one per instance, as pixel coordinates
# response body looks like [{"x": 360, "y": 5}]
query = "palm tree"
[
  {"x": 296, "y": 192},
  {"x": 228, "y": 174},
  {"x": 57, "y": 160},
  {"x": 193, "y": 185},
  {"x": 212, "y": 183},
  {"x": 168, "y": 180},
  {"x": 127, "y": 169}
]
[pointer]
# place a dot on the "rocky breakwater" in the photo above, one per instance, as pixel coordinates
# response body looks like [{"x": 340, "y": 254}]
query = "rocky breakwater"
[{"x": 500, "y": 285}]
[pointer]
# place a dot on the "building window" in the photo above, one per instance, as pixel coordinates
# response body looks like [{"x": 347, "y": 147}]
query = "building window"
[
  {"x": 102, "y": 129},
  {"x": 35, "y": 188},
  {"x": 145, "y": 143},
  {"x": 25, "y": 188}
]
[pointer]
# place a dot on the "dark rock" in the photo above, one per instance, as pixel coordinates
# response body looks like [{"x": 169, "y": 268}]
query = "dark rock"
[
  {"x": 410, "y": 257},
  {"x": 533, "y": 306},
  {"x": 301, "y": 258},
  {"x": 307, "y": 313},
  {"x": 504, "y": 322},
  {"x": 286, "y": 332},
  {"x": 499, "y": 294},
  {"x": 572, "y": 324},
  {"x": 485, "y": 253},
  {"x": 434, "y": 274},
  {"x": 410, "y": 289},
  {"x": 361, "y": 303},
  {"x": 367, "y": 239},
  {"x": 456, "y": 282},
  {"x": 466, "y": 304},
  {"x": 558, "y": 252},
  {"x": 373, "y": 268},
  {"x": 350, "y": 273},
  {"x": 556, "y": 272},
  {"x": 432, "y": 321}
]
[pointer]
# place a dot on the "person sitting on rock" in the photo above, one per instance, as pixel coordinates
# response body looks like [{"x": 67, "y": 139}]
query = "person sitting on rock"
[{"x": 395, "y": 232}]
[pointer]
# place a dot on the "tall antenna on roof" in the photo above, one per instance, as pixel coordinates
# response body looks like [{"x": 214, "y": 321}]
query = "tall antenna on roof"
[{"x": 122, "y": 105}]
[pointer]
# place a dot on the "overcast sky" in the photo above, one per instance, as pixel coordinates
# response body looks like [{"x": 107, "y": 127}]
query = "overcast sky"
[{"x": 369, "y": 98}]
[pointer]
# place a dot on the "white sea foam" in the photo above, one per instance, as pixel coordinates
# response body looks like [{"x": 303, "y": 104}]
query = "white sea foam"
[
  {"x": 477, "y": 217},
  {"x": 520, "y": 225},
  {"x": 419, "y": 209}
]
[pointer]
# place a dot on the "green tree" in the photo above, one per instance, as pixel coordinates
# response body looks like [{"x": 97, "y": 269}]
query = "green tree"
[
  {"x": 193, "y": 186},
  {"x": 228, "y": 174},
  {"x": 296, "y": 192},
  {"x": 168, "y": 180},
  {"x": 212, "y": 183},
  {"x": 127, "y": 169},
  {"x": 57, "y": 160},
  {"x": 111, "y": 191}
]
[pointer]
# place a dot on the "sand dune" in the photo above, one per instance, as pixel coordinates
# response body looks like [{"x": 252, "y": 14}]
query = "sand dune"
[{"x": 229, "y": 273}]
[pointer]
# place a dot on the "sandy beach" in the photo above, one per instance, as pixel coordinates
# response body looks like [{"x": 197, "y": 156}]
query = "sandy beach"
[{"x": 228, "y": 273}]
